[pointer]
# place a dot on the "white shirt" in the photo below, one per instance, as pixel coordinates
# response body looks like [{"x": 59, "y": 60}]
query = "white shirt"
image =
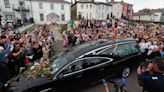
[{"x": 142, "y": 46}]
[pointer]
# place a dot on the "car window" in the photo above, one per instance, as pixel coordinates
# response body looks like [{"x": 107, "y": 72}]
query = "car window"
[
  {"x": 126, "y": 49},
  {"x": 107, "y": 51},
  {"x": 92, "y": 62},
  {"x": 73, "y": 67},
  {"x": 133, "y": 48},
  {"x": 83, "y": 64}
]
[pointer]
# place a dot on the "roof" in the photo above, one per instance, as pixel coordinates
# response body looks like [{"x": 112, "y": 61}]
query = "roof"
[
  {"x": 115, "y": 2},
  {"x": 151, "y": 10},
  {"x": 55, "y": 1},
  {"x": 95, "y": 2},
  {"x": 139, "y": 14}
]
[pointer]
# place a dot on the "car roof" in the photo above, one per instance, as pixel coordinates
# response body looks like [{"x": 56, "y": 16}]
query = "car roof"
[{"x": 79, "y": 50}]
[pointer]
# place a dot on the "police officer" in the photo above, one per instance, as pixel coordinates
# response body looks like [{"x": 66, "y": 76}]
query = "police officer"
[{"x": 152, "y": 78}]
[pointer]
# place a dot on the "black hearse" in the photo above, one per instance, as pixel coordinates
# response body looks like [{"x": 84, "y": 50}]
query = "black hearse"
[{"x": 85, "y": 64}]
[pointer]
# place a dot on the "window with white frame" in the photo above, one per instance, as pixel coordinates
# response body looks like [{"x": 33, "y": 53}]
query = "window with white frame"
[
  {"x": 40, "y": 6},
  {"x": 99, "y": 15},
  {"x": 7, "y": 3},
  {"x": 52, "y": 6},
  {"x": 82, "y": 6},
  {"x": 62, "y": 6},
  {"x": 22, "y": 3},
  {"x": 63, "y": 17},
  {"x": 90, "y": 15},
  {"x": 9, "y": 17},
  {"x": 41, "y": 17},
  {"x": 102, "y": 15},
  {"x": 90, "y": 5}
]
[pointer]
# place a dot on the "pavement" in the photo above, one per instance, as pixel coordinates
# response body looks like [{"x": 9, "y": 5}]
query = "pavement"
[
  {"x": 24, "y": 28},
  {"x": 131, "y": 85}
]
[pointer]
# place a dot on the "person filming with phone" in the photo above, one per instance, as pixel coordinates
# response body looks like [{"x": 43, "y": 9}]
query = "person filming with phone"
[{"x": 151, "y": 78}]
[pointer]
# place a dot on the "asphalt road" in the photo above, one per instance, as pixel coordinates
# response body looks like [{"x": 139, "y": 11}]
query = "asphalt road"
[{"x": 131, "y": 85}]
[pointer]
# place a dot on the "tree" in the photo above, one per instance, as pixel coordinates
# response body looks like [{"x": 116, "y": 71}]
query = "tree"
[{"x": 79, "y": 17}]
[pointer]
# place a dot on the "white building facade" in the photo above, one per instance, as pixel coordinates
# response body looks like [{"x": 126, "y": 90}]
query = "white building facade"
[
  {"x": 154, "y": 17},
  {"x": 89, "y": 9},
  {"x": 117, "y": 10},
  {"x": 42, "y": 11},
  {"x": 51, "y": 12}
]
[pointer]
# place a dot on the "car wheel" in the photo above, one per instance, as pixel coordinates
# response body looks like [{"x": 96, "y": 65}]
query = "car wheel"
[{"x": 126, "y": 72}]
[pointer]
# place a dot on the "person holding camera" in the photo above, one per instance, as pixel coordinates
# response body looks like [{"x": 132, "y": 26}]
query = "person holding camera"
[{"x": 152, "y": 78}]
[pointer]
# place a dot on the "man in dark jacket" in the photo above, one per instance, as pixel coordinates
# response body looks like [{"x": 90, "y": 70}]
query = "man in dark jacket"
[
  {"x": 152, "y": 79},
  {"x": 4, "y": 70}
]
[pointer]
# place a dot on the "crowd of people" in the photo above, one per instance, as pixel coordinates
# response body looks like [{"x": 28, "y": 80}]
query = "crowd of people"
[
  {"x": 19, "y": 50},
  {"x": 149, "y": 36},
  {"x": 151, "y": 45}
]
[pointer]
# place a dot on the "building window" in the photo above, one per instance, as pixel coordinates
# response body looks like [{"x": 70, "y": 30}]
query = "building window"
[
  {"x": 103, "y": 7},
  {"x": 40, "y": 6},
  {"x": 90, "y": 5},
  {"x": 63, "y": 17},
  {"x": 41, "y": 17},
  {"x": 62, "y": 7},
  {"x": 22, "y": 3},
  {"x": 82, "y": 6},
  {"x": 52, "y": 6},
  {"x": 99, "y": 7},
  {"x": 90, "y": 15},
  {"x": 9, "y": 17},
  {"x": 87, "y": 6},
  {"x": 106, "y": 7},
  {"x": 102, "y": 15},
  {"x": 129, "y": 8},
  {"x": 87, "y": 15},
  {"x": 7, "y": 3}
]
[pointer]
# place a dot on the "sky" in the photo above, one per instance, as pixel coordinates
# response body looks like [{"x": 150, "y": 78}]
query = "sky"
[{"x": 141, "y": 4}]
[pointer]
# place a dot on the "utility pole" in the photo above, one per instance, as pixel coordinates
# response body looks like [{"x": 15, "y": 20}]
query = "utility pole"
[
  {"x": 20, "y": 5},
  {"x": 31, "y": 8}
]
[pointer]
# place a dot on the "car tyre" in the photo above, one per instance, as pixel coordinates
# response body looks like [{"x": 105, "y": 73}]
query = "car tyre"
[{"x": 126, "y": 72}]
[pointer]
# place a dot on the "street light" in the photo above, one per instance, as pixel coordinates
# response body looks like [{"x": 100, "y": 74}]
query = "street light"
[
  {"x": 20, "y": 6},
  {"x": 31, "y": 8}
]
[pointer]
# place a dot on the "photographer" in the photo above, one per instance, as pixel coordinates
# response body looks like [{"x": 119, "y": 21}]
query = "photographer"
[{"x": 152, "y": 78}]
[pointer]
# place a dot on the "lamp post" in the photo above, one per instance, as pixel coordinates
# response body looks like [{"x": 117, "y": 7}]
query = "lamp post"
[
  {"x": 31, "y": 8},
  {"x": 20, "y": 6}
]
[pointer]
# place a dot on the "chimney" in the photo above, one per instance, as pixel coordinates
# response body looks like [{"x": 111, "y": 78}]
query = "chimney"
[
  {"x": 107, "y": 1},
  {"x": 122, "y": 1},
  {"x": 112, "y": 1}
]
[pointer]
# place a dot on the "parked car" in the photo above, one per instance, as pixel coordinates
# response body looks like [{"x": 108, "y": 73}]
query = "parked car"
[{"x": 85, "y": 64}]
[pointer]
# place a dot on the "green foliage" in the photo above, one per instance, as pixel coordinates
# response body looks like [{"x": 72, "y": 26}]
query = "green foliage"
[
  {"x": 63, "y": 27},
  {"x": 146, "y": 22},
  {"x": 79, "y": 17}
]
